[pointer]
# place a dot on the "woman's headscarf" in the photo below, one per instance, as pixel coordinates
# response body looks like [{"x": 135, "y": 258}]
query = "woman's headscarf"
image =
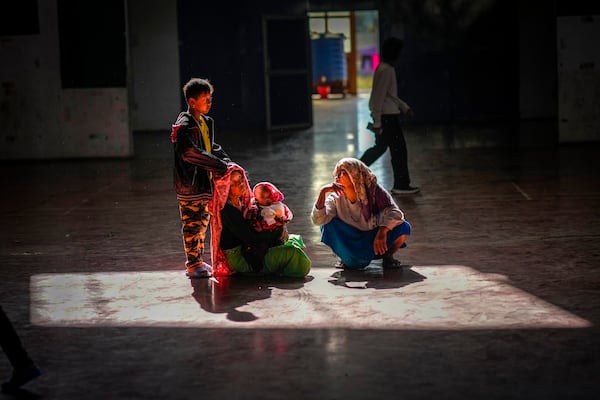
[
  {"x": 371, "y": 195},
  {"x": 220, "y": 197}
]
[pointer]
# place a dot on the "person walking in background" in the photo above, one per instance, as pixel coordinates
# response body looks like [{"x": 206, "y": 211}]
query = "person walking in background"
[
  {"x": 197, "y": 160},
  {"x": 24, "y": 369},
  {"x": 386, "y": 111}
]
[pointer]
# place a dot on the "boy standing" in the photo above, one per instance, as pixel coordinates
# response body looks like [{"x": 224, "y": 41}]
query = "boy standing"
[{"x": 197, "y": 159}]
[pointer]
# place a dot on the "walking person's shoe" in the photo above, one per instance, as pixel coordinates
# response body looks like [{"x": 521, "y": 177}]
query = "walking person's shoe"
[
  {"x": 405, "y": 190},
  {"x": 20, "y": 377},
  {"x": 203, "y": 270}
]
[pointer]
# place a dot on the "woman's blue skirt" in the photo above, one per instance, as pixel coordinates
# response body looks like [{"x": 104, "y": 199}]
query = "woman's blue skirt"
[{"x": 355, "y": 247}]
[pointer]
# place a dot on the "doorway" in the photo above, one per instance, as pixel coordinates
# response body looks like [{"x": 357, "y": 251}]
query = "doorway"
[{"x": 345, "y": 52}]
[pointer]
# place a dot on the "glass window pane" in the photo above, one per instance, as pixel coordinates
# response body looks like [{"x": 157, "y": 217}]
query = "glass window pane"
[
  {"x": 317, "y": 25},
  {"x": 341, "y": 25}
]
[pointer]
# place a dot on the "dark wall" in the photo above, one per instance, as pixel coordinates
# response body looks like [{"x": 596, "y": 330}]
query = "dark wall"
[
  {"x": 577, "y": 7},
  {"x": 224, "y": 44},
  {"x": 460, "y": 61},
  {"x": 20, "y": 18},
  {"x": 209, "y": 48},
  {"x": 92, "y": 44}
]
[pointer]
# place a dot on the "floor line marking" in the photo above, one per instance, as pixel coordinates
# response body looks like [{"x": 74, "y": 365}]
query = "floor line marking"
[
  {"x": 521, "y": 191},
  {"x": 87, "y": 199}
]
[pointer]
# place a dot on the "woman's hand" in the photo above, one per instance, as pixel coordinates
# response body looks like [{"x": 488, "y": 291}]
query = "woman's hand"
[
  {"x": 380, "y": 242},
  {"x": 333, "y": 187},
  {"x": 329, "y": 188}
]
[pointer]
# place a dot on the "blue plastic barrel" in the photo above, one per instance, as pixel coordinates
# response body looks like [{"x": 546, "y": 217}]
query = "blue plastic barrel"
[{"x": 328, "y": 58}]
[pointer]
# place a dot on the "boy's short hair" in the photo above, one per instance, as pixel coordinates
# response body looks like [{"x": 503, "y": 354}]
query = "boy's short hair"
[{"x": 197, "y": 86}]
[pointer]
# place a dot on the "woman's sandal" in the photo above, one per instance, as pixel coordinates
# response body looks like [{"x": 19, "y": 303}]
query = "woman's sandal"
[
  {"x": 340, "y": 265},
  {"x": 391, "y": 263}
]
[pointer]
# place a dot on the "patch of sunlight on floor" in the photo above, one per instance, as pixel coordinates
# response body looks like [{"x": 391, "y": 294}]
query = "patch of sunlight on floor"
[{"x": 415, "y": 297}]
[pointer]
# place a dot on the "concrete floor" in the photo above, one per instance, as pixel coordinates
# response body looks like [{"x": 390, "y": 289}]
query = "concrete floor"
[{"x": 499, "y": 296}]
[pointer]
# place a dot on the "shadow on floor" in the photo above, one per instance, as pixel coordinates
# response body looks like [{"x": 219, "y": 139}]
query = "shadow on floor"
[
  {"x": 225, "y": 295},
  {"x": 376, "y": 278}
]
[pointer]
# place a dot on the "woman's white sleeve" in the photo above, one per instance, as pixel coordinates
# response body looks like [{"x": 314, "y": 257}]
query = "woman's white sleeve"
[{"x": 325, "y": 214}]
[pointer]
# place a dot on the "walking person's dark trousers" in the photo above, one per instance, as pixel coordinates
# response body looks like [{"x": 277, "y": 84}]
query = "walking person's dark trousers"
[
  {"x": 391, "y": 136},
  {"x": 11, "y": 344}
]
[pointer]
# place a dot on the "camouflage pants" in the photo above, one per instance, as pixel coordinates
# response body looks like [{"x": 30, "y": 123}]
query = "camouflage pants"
[{"x": 195, "y": 218}]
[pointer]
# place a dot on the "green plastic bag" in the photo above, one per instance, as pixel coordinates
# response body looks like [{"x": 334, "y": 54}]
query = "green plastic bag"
[{"x": 295, "y": 240}]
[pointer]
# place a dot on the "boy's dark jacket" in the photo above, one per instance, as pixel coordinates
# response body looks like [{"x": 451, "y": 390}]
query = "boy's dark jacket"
[{"x": 192, "y": 162}]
